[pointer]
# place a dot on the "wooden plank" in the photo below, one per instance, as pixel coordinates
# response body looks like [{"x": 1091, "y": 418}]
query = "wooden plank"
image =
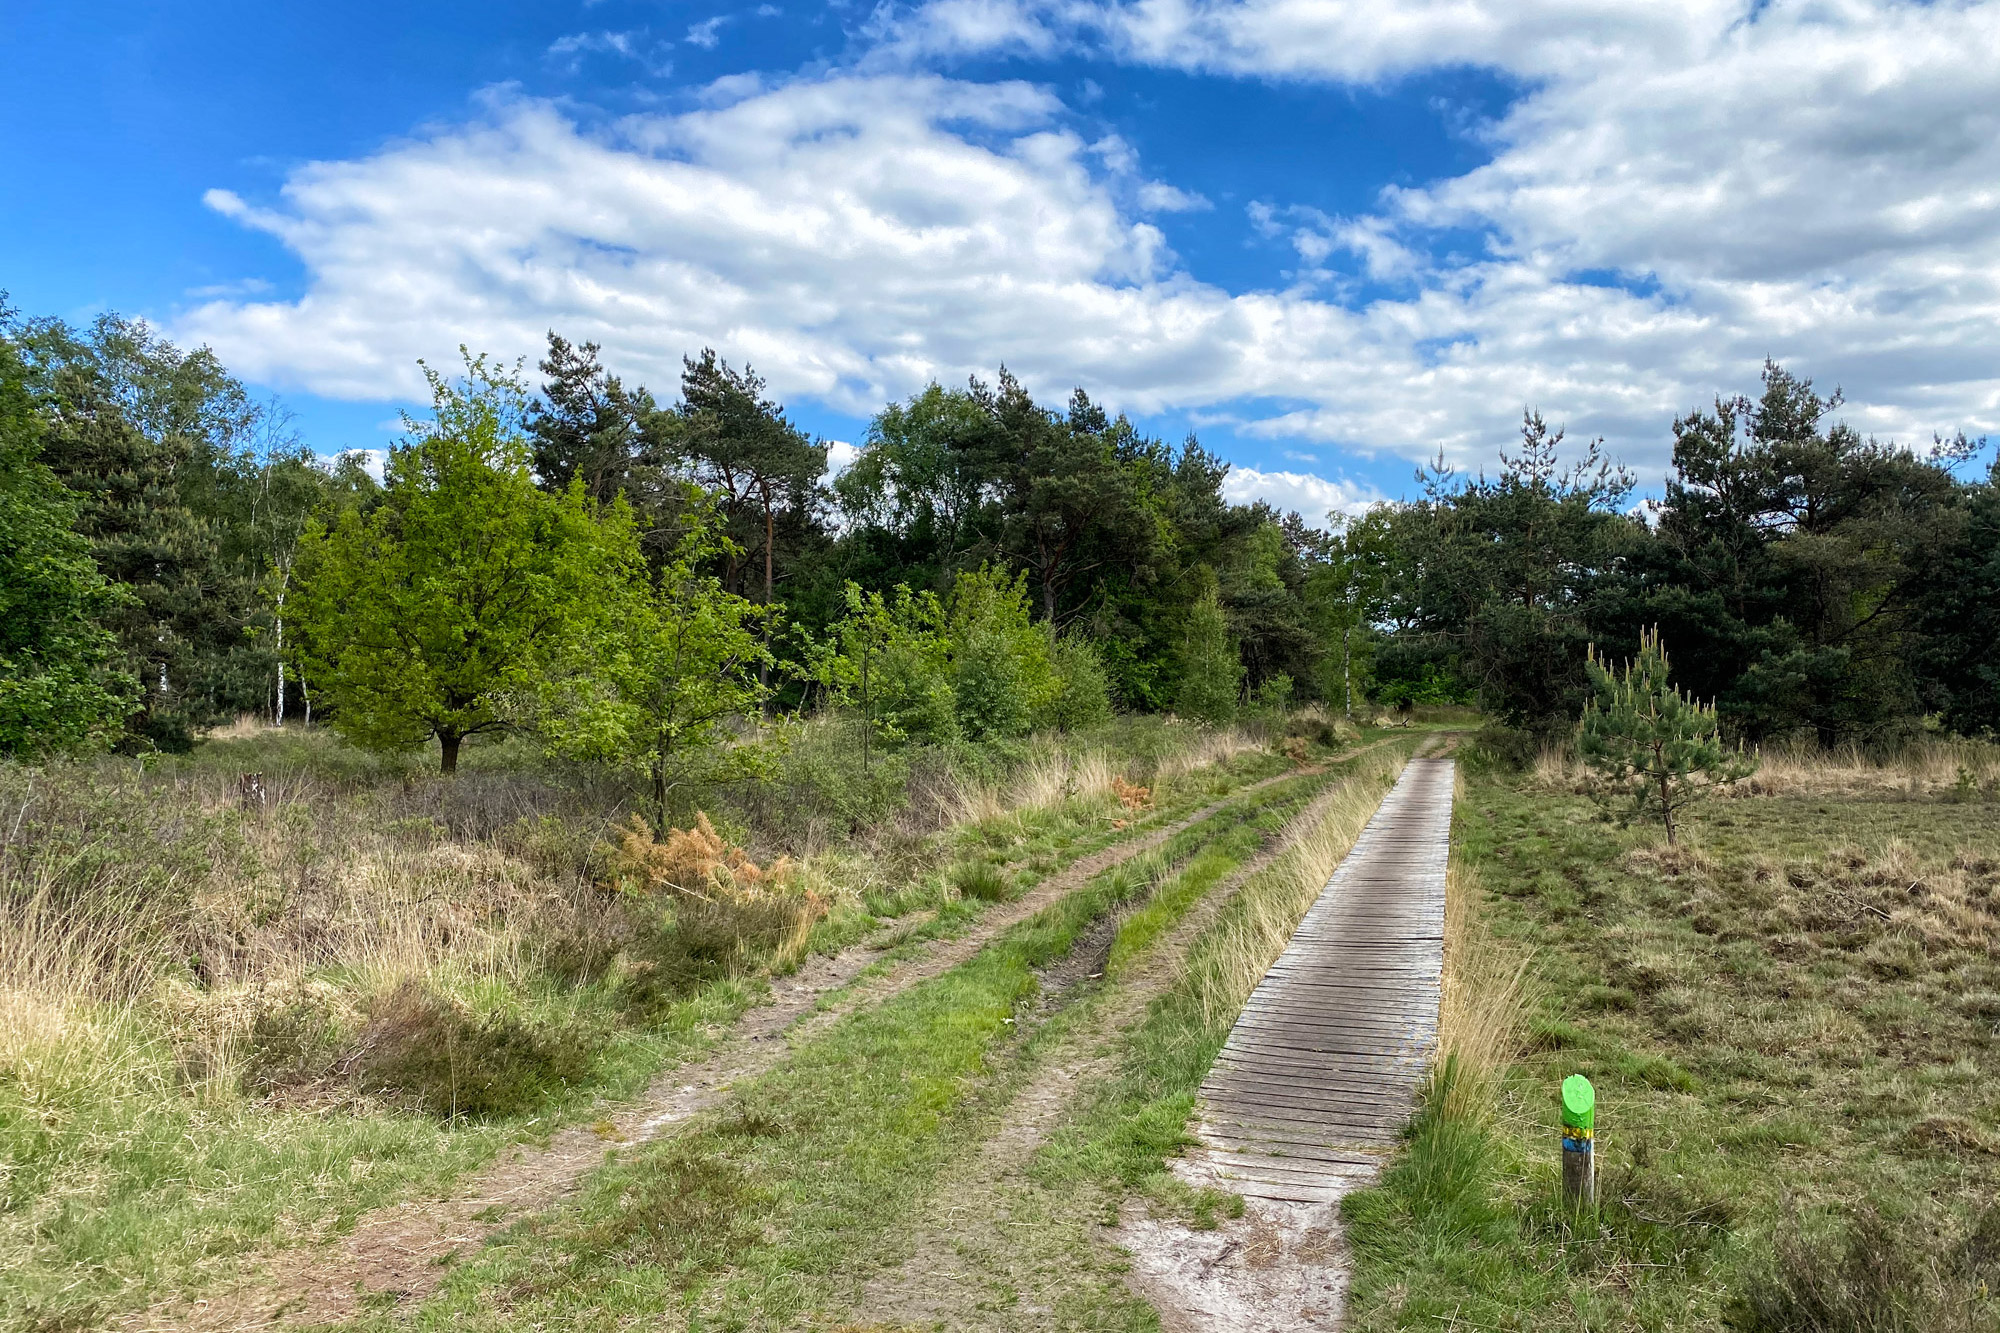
[{"x": 1326, "y": 1058}]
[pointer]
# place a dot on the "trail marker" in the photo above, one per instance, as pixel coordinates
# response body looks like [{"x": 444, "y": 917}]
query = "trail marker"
[{"x": 1579, "y": 1126}]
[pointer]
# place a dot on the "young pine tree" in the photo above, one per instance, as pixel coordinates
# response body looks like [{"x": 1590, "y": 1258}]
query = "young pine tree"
[{"x": 1646, "y": 740}]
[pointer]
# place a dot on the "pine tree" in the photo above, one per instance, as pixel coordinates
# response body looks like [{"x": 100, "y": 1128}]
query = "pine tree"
[{"x": 1650, "y": 742}]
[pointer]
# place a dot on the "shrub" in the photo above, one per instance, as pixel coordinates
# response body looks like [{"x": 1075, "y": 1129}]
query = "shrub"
[
  {"x": 693, "y": 862},
  {"x": 991, "y": 689},
  {"x": 818, "y": 787},
  {"x": 1873, "y": 1276},
  {"x": 746, "y": 928},
  {"x": 981, "y": 880},
  {"x": 1081, "y": 696},
  {"x": 910, "y": 696},
  {"x": 296, "y": 1042},
  {"x": 439, "y": 1054},
  {"x": 1130, "y": 796},
  {"x": 725, "y": 908},
  {"x": 1003, "y": 672},
  {"x": 1274, "y": 696}
]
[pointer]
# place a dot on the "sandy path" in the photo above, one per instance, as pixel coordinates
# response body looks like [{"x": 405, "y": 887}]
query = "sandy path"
[
  {"x": 405, "y": 1248},
  {"x": 965, "y": 1270}
]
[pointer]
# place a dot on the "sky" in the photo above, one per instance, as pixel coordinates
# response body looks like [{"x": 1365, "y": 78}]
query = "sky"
[{"x": 1333, "y": 238}]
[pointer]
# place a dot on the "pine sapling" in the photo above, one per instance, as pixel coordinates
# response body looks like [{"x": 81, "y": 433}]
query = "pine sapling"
[{"x": 1648, "y": 741}]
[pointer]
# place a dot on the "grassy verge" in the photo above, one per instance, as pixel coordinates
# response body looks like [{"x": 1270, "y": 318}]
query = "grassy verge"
[
  {"x": 1791, "y": 1023},
  {"x": 752, "y": 1218}
]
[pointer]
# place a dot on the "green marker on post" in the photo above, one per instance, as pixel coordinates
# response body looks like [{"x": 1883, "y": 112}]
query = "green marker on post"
[{"x": 1579, "y": 1140}]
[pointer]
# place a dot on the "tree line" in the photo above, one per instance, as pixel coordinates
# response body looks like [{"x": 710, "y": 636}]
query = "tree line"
[{"x": 628, "y": 577}]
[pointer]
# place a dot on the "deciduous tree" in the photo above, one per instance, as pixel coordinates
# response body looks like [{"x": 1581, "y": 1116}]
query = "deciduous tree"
[
  {"x": 430, "y": 617},
  {"x": 674, "y": 659}
]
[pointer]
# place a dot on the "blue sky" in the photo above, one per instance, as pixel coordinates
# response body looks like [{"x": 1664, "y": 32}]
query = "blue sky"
[{"x": 1331, "y": 236}]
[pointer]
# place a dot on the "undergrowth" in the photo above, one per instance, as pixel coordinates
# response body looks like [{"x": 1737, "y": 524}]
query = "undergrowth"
[{"x": 226, "y": 1024}]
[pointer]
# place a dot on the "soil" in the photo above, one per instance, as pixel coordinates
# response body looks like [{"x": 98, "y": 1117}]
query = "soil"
[
  {"x": 1279, "y": 1268},
  {"x": 402, "y": 1252}
]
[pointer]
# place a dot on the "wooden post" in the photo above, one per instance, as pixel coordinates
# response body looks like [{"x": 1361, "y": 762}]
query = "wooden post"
[
  {"x": 250, "y": 791},
  {"x": 1579, "y": 1141}
]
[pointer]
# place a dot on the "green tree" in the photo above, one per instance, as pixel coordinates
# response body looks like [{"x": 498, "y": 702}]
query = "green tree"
[
  {"x": 891, "y": 657},
  {"x": 61, "y": 686},
  {"x": 1649, "y": 742},
  {"x": 669, "y": 667},
  {"x": 1344, "y": 597},
  {"x": 154, "y": 443},
  {"x": 919, "y": 483},
  {"x": 1002, "y": 672},
  {"x": 1081, "y": 695},
  {"x": 430, "y": 617},
  {"x": 759, "y": 465},
  {"x": 1211, "y": 665}
]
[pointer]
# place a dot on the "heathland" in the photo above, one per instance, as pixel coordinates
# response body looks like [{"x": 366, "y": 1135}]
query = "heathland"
[{"x": 603, "y": 864}]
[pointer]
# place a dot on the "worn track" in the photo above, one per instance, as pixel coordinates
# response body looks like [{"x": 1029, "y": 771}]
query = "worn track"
[{"x": 404, "y": 1249}]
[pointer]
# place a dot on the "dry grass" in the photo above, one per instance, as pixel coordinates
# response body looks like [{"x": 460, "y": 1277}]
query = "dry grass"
[
  {"x": 140, "y": 914},
  {"x": 1482, "y": 1004},
  {"x": 1969, "y": 770},
  {"x": 1926, "y": 767},
  {"x": 1205, "y": 749},
  {"x": 1235, "y": 957},
  {"x": 1051, "y": 777}
]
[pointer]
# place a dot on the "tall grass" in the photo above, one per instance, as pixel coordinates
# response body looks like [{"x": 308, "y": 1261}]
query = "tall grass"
[
  {"x": 1481, "y": 1003},
  {"x": 1228, "y": 962},
  {"x": 1929, "y": 766}
]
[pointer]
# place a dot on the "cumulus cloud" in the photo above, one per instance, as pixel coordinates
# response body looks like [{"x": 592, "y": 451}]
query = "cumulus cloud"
[
  {"x": 1816, "y": 180},
  {"x": 1680, "y": 192},
  {"x": 1313, "y": 498},
  {"x": 854, "y": 238}
]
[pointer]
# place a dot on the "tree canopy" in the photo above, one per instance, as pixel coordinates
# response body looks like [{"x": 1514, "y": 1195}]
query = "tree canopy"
[{"x": 989, "y": 563}]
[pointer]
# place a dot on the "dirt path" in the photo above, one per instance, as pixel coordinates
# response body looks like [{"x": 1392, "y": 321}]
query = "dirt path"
[
  {"x": 404, "y": 1249},
  {"x": 969, "y": 1267}
]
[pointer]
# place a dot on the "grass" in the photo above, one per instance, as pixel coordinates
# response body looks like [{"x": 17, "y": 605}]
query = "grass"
[
  {"x": 756, "y": 1217},
  {"x": 220, "y": 1027},
  {"x": 1798, "y": 1076}
]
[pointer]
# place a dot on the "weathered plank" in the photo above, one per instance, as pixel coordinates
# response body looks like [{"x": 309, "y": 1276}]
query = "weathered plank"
[{"x": 1321, "y": 1070}]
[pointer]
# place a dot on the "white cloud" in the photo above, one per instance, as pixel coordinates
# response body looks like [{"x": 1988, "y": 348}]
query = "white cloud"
[
  {"x": 1814, "y": 182},
  {"x": 840, "y": 455},
  {"x": 1160, "y": 197},
  {"x": 707, "y": 33},
  {"x": 373, "y": 461},
  {"x": 1313, "y": 497},
  {"x": 1361, "y": 41},
  {"x": 638, "y": 46}
]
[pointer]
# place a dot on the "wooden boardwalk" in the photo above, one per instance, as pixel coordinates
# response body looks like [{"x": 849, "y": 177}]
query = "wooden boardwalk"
[{"x": 1321, "y": 1071}]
